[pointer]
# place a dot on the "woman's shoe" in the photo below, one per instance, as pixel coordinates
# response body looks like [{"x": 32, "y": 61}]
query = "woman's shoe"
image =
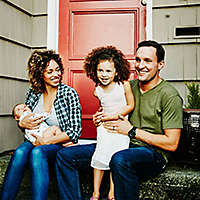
[
  {"x": 112, "y": 198},
  {"x": 94, "y": 198}
]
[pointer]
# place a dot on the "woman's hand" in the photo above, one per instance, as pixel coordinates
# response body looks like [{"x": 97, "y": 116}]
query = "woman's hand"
[
  {"x": 38, "y": 140},
  {"x": 50, "y": 136},
  {"x": 30, "y": 122}
]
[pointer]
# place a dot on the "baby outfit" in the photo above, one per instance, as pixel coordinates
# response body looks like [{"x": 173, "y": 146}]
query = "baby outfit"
[
  {"x": 109, "y": 143},
  {"x": 39, "y": 131}
]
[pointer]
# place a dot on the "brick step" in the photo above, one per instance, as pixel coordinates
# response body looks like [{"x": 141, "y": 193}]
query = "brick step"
[{"x": 177, "y": 182}]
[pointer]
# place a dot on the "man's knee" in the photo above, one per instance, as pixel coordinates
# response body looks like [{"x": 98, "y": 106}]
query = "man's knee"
[
  {"x": 117, "y": 160},
  {"x": 64, "y": 155}
]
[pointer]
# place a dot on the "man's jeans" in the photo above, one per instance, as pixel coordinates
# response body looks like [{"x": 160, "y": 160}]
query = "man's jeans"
[
  {"x": 127, "y": 166},
  {"x": 37, "y": 158}
]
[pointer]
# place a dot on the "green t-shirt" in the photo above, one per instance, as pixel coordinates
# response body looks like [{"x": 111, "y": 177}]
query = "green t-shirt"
[{"x": 155, "y": 110}]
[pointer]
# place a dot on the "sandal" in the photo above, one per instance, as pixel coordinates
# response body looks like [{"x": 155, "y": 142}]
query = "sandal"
[{"x": 93, "y": 198}]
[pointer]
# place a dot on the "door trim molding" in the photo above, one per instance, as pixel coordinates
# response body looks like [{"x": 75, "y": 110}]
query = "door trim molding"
[{"x": 52, "y": 24}]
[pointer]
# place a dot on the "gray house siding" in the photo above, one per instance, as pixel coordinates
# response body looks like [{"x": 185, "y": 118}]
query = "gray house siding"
[
  {"x": 23, "y": 28},
  {"x": 182, "y": 53}
]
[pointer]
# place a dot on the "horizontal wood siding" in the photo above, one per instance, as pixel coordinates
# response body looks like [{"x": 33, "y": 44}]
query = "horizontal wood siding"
[
  {"x": 182, "y": 54},
  {"x": 23, "y": 28}
]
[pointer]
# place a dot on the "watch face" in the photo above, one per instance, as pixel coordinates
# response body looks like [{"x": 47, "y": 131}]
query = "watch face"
[{"x": 132, "y": 132}]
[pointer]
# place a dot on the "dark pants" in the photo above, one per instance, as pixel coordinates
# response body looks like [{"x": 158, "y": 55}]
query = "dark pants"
[{"x": 127, "y": 167}]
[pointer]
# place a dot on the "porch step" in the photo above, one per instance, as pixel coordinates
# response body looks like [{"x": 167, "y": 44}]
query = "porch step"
[{"x": 177, "y": 182}]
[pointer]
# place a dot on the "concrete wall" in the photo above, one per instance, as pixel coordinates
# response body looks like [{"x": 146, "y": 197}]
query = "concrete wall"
[
  {"x": 23, "y": 28},
  {"x": 182, "y": 53}
]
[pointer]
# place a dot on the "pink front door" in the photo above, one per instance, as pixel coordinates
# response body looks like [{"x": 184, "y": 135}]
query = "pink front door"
[{"x": 84, "y": 25}]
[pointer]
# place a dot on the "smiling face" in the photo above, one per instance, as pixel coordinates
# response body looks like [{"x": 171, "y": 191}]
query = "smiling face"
[
  {"x": 106, "y": 72},
  {"x": 147, "y": 65},
  {"x": 19, "y": 110},
  {"x": 52, "y": 74}
]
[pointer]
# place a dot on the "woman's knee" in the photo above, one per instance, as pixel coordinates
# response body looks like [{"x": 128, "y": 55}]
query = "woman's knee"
[
  {"x": 36, "y": 156},
  {"x": 19, "y": 155}
]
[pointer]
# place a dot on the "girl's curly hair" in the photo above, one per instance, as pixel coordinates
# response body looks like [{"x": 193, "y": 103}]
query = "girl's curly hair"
[
  {"x": 110, "y": 53},
  {"x": 37, "y": 63}
]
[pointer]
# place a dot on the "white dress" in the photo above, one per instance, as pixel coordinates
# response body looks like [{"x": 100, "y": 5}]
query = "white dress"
[{"x": 109, "y": 143}]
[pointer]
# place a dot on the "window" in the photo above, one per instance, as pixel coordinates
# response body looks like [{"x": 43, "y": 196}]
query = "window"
[{"x": 187, "y": 32}]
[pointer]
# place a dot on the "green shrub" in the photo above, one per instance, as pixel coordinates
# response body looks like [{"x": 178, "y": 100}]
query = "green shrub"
[{"x": 193, "y": 95}]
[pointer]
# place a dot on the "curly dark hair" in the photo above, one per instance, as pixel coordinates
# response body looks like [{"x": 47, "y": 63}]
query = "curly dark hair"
[
  {"x": 110, "y": 53},
  {"x": 37, "y": 63}
]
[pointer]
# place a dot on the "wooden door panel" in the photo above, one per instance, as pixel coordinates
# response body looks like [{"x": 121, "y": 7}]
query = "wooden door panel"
[
  {"x": 84, "y": 25},
  {"x": 89, "y": 103},
  {"x": 110, "y": 25}
]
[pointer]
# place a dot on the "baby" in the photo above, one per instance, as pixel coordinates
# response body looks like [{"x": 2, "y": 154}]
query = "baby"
[{"x": 22, "y": 110}]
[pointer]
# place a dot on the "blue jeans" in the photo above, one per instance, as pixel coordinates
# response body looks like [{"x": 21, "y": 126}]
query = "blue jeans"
[
  {"x": 37, "y": 158},
  {"x": 127, "y": 166}
]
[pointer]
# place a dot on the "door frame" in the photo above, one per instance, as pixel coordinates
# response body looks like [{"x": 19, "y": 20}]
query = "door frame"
[{"x": 53, "y": 23}]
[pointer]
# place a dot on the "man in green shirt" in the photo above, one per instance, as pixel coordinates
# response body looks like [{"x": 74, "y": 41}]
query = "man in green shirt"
[{"x": 154, "y": 127}]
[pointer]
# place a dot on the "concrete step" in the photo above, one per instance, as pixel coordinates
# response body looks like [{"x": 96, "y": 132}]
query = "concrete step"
[{"x": 177, "y": 182}]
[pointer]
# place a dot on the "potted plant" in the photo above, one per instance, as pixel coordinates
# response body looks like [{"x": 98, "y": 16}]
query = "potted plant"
[
  {"x": 190, "y": 137},
  {"x": 193, "y": 95}
]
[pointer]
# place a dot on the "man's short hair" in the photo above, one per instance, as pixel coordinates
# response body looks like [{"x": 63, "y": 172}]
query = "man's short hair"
[{"x": 160, "y": 52}]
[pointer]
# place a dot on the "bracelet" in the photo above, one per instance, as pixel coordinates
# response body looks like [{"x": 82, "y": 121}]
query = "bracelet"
[{"x": 132, "y": 133}]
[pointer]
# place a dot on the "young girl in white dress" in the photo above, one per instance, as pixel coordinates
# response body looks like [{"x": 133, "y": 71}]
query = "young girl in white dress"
[{"x": 109, "y": 69}]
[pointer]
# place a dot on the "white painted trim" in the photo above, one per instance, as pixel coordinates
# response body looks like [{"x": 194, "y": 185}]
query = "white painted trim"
[
  {"x": 52, "y": 25},
  {"x": 85, "y": 141},
  {"x": 149, "y": 20}
]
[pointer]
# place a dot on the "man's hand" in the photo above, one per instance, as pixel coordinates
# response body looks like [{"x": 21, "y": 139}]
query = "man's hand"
[
  {"x": 122, "y": 125},
  {"x": 29, "y": 122}
]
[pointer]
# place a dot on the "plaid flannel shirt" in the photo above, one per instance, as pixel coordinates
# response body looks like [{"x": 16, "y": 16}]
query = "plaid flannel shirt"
[{"x": 67, "y": 107}]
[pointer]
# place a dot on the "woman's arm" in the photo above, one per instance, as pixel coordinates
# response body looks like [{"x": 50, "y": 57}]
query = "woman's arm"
[
  {"x": 72, "y": 122},
  {"x": 51, "y": 135}
]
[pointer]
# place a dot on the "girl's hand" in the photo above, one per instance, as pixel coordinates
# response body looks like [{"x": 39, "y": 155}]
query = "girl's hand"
[
  {"x": 97, "y": 117},
  {"x": 29, "y": 122},
  {"x": 110, "y": 116}
]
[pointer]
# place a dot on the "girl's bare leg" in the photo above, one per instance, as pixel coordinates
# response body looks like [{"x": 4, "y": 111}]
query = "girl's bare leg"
[
  {"x": 111, "y": 191},
  {"x": 98, "y": 175}
]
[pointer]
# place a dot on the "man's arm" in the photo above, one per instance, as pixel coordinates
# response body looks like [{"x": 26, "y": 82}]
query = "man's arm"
[{"x": 169, "y": 141}]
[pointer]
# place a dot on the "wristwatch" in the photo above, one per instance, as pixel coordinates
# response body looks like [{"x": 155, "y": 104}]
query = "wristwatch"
[{"x": 132, "y": 133}]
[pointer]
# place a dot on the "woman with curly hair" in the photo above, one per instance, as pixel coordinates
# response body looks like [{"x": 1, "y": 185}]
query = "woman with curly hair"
[
  {"x": 108, "y": 68},
  {"x": 61, "y": 102}
]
